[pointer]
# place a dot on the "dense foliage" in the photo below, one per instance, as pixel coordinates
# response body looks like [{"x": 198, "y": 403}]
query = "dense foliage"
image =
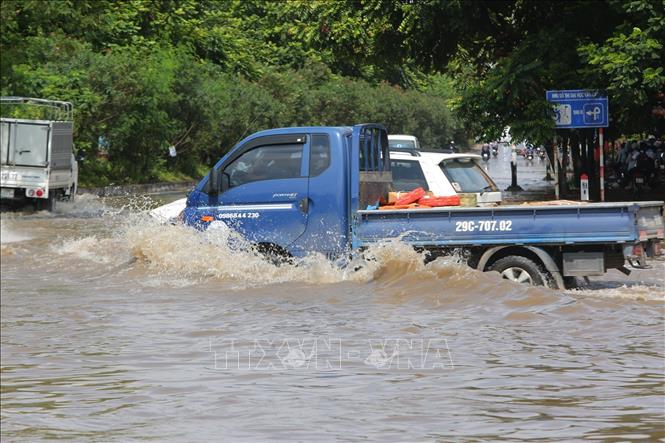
[
  {"x": 147, "y": 75},
  {"x": 201, "y": 74},
  {"x": 505, "y": 54}
]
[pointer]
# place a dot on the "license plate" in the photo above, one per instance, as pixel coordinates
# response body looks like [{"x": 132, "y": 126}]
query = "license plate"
[
  {"x": 639, "y": 180},
  {"x": 7, "y": 193}
]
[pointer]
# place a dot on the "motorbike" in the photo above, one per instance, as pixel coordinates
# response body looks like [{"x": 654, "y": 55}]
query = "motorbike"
[
  {"x": 529, "y": 155},
  {"x": 638, "y": 183},
  {"x": 495, "y": 151},
  {"x": 485, "y": 155},
  {"x": 541, "y": 153}
]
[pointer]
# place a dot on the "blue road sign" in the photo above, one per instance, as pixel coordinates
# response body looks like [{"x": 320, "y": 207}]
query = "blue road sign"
[{"x": 579, "y": 108}]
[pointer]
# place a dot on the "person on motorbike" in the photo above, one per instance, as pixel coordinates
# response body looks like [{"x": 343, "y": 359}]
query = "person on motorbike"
[
  {"x": 529, "y": 152},
  {"x": 646, "y": 161},
  {"x": 631, "y": 158},
  {"x": 623, "y": 153},
  {"x": 623, "y": 161},
  {"x": 485, "y": 152},
  {"x": 659, "y": 153},
  {"x": 640, "y": 164}
]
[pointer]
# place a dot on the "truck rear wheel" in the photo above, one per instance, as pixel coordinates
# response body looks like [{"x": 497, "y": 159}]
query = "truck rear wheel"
[{"x": 520, "y": 270}]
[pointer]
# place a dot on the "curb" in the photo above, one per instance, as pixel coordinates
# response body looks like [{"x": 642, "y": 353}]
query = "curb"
[{"x": 147, "y": 188}]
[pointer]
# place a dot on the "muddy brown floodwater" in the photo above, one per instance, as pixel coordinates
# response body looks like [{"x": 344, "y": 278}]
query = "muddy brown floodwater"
[{"x": 117, "y": 329}]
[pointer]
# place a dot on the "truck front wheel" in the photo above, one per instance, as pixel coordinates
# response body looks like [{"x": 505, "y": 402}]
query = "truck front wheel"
[{"x": 520, "y": 270}]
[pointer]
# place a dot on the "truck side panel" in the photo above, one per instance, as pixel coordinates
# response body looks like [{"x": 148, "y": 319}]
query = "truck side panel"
[
  {"x": 61, "y": 146},
  {"x": 594, "y": 223}
]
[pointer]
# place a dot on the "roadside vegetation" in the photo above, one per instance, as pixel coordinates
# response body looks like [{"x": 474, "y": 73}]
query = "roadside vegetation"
[{"x": 145, "y": 75}]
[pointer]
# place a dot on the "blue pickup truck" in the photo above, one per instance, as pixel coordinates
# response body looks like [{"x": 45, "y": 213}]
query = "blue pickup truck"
[{"x": 295, "y": 191}]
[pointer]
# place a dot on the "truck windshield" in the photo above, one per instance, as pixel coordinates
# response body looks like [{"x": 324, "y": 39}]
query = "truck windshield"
[
  {"x": 401, "y": 144},
  {"x": 30, "y": 144},
  {"x": 466, "y": 176}
]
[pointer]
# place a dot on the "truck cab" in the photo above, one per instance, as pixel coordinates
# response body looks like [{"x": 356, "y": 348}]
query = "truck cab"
[{"x": 273, "y": 187}]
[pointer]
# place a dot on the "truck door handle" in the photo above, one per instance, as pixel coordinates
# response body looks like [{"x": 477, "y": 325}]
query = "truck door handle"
[{"x": 304, "y": 205}]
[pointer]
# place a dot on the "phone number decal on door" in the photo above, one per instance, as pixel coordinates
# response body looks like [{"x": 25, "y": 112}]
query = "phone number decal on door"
[{"x": 237, "y": 215}]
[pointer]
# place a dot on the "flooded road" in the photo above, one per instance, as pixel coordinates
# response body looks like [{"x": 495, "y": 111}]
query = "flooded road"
[
  {"x": 117, "y": 329},
  {"x": 530, "y": 175}
]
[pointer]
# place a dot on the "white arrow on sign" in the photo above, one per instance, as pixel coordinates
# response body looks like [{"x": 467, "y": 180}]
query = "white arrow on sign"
[{"x": 595, "y": 113}]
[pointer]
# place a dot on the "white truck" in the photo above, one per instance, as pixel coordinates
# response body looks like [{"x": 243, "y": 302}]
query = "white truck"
[{"x": 37, "y": 152}]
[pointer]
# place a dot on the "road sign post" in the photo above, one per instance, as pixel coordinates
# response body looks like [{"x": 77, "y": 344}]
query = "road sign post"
[
  {"x": 581, "y": 108},
  {"x": 555, "y": 155},
  {"x": 601, "y": 160}
]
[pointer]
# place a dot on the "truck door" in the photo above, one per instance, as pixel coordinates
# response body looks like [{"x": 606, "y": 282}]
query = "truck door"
[
  {"x": 264, "y": 190},
  {"x": 30, "y": 145},
  {"x": 328, "y": 205}
]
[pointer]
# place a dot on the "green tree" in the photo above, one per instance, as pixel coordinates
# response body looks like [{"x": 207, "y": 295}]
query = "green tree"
[
  {"x": 629, "y": 65},
  {"x": 503, "y": 55}
]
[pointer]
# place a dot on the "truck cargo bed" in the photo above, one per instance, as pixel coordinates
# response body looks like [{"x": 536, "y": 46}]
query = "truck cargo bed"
[{"x": 592, "y": 223}]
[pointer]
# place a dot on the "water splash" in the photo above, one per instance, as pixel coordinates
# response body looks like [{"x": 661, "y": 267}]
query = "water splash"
[
  {"x": 9, "y": 231},
  {"x": 179, "y": 255},
  {"x": 87, "y": 248}
]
